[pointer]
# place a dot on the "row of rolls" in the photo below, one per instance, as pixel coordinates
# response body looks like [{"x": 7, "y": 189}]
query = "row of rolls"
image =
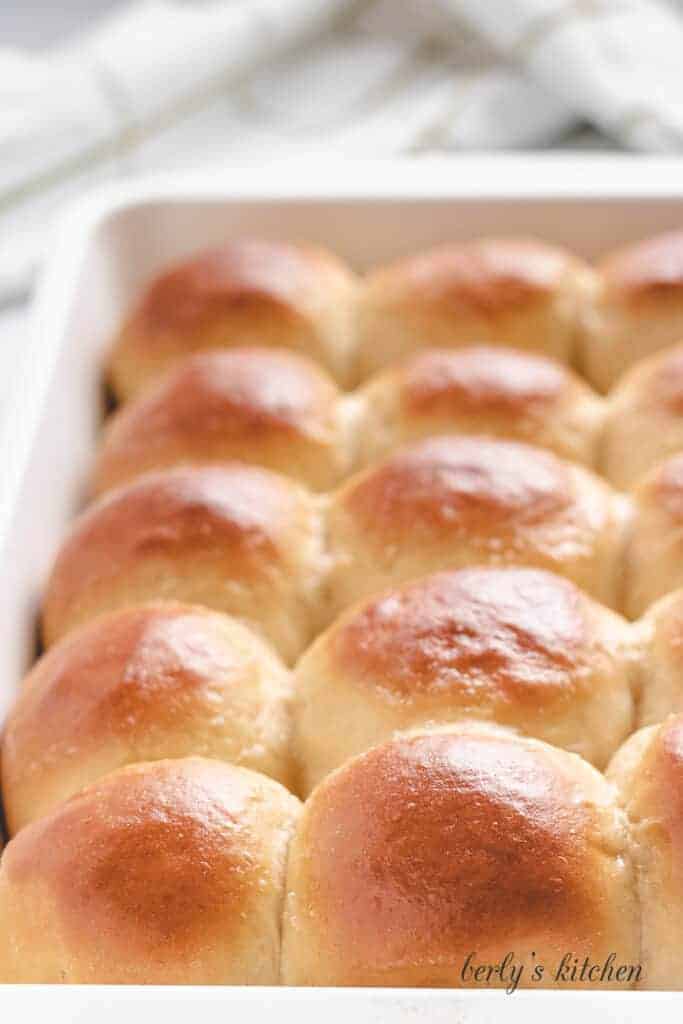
[
  {"x": 523, "y": 648},
  {"x": 282, "y": 411},
  {"x": 338, "y": 687},
  {"x": 439, "y": 844},
  {"x": 518, "y": 292},
  {"x": 254, "y": 543}
]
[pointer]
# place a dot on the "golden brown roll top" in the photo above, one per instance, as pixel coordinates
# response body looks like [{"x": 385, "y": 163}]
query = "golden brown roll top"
[
  {"x": 269, "y": 407},
  {"x": 518, "y": 292},
  {"x": 644, "y": 421},
  {"x": 247, "y": 292},
  {"x": 146, "y": 683},
  {"x": 649, "y": 773},
  {"x": 439, "y": 844},
  {"x": 519, "y": 647},
  {"x": 237, "y": 539},
  {"x": 654, "y": 562},
  {"x": 450, "y": 502},
  {"x": 278, "y": 410},
  {"x": 164, "y": 873},
  {"x": 480, "y": 390},
  {"x": 637, "y": 307}
]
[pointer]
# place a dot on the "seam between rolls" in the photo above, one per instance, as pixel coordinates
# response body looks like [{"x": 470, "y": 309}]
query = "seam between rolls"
[
  {"x": 622, "y": 584},
  {"x": 630, "y": 849},
  {"x": 284, "y": 897},
  {"x": 321, "y": 604}
]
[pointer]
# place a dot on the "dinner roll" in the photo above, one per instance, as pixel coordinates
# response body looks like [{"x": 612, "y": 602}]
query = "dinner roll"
[
  {"x": 236, "y": 538},
  {"x": 140, "y": 685},
  {"x": 654, "y": 562},
  {"x": 265, "y": 406},
  {"x": 464, "y": 841},
  {"x": 649, "y": 772},
  {"x": 247, "y": 292},
  {"x": 480, "y": 390},
  {"x": 637, "y": 307},
  {"x": 449, "y": 502},
  {"x": 165, "y": 873},
  {"x": 644, "y": 422},
  {"x": 520, "y": 647},
  {"x": 510, "y": 291},
  {"x": 658, "y": 652}
]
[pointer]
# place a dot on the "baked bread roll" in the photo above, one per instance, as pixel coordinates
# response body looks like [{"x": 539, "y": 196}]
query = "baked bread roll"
[
  {"x": 480, "y": 390},
  {"x": 247, "y": 292},
  {"x": 450, "y": 502},
  {"x": 649, "y": 773},
  {"x": 146, "y": 683},
  {"x": 644, "y": 421},
  {"x": 269, "y": 407},
  {"x": 519, "y": 292},
  {"x": 166, "y": 873},
  {"x": 439, "y": 845},
  {"x": 654, "y": 561},
  {"x": 657, "y": 649},
  {"x": 520, "y": 647},
  {"x": 637, "y": 307},
  {"x": 236, "y": 538}
]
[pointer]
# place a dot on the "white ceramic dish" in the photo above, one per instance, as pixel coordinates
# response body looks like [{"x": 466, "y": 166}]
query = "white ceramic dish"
[{"x": 111, "y": 243}]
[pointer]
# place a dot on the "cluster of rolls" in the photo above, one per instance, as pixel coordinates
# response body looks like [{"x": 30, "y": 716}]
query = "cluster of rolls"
[{"x": 405, "y": 605}]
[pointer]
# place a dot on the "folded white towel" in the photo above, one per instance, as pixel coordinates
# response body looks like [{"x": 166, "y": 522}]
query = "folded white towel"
[{"x": 180, "y": 83}]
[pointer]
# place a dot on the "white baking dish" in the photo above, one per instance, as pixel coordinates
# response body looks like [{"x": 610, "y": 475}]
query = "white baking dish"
[{"x": 105, "y": 248}]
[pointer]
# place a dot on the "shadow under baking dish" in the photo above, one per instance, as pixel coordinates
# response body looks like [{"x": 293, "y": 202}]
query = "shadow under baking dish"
[{"x": 368, "y": 213}]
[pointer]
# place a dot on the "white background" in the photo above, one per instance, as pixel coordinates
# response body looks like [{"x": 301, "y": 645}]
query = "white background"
[{"x": 36, "y": 23}]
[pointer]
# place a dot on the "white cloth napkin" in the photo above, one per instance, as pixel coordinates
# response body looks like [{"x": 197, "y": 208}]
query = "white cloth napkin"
[{"x": 183, "y": 83}]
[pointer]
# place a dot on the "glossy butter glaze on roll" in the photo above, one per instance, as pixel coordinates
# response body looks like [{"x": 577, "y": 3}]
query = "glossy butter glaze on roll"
[
  {"x": 649, "y": 773},
  {"x": 269, "y": 407},
  {"x": 441, "y": 844},
  {"x": 644, "y": 421},
  {"x": 450, "y": 502},
  {"x": 247, "y": 292},
  {"x": 518, "y": 292},
  {"x": 654, "y": 554},
  {"x": 146, "y": 683},
  {"x": 637, "y": 308},
  {"x": 167, "y": 873},
  {"x": 237, "y": 539},
  {"x": 520, "y": 647},
  {"x": 480, "y": 390}
]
